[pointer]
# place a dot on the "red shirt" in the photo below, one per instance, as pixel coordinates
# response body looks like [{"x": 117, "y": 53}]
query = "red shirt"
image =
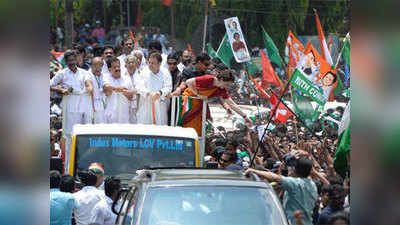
[{"x": 205, "y": 82}]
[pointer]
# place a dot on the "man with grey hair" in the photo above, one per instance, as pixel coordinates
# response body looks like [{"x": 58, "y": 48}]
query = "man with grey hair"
[
  {"x": 131, "y": 72},
  {"x": 94, "y": 86}
]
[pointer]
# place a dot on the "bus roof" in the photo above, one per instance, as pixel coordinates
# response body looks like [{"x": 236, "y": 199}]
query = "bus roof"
[{"x": 134, "y": 129}]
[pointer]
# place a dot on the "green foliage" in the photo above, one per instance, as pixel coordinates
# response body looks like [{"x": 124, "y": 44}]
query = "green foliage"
[{"x": 276, "y": 16}]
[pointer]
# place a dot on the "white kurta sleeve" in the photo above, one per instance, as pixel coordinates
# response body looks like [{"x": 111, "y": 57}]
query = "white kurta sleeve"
[
  {"x": 141, "y": 86},
  {"x": 167, "y": 84},
  {"x": 57, "y": 79}
]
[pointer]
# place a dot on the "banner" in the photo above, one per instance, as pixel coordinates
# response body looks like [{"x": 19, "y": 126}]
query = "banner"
[
  {"x": 303, "y": 84},
  {"x": 236, "y": 39}
]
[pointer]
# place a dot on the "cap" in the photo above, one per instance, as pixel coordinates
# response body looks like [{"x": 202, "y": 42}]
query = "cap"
[
  {"x": 87, "y": 25},
  {"x": 97, "y": 21},
  {"x": 96, "y": 168}
]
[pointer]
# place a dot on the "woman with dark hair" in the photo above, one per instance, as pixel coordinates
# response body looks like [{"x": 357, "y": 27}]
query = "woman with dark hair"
[
  {"x": 204, "y": 87},
  {"x": 327, "y": 84}
]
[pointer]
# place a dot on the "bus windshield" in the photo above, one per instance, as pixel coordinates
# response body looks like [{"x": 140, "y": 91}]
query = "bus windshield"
[{"x": 124, "y": 154}]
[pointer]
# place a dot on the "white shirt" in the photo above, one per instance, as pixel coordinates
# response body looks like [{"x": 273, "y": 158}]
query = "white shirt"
[
  {"x": 134, "y": 79},
  {"x": 104, "y": 70},
  {"x": 86, "y": 198},
  {"x": 117, "y": 110},
  {"x": 102, "y": 213},
  {"x": 151, "y": 82},
  {"x": 67, "y": 79},
  {"x": 122, "y": 62},
  {"x": 98, "y": 94}
]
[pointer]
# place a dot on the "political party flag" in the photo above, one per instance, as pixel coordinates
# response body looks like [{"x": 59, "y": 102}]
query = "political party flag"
[
  {"x": 211, "y": 51},
  {"x": 291, "y": 64},
  {"x": 344, "y": 59},
  {"x": 224, "y": 52},
  {"x": 272, "y": 50},
  {"x": 340, "y": 160},
  {"x": 304, "y": 109},
  {"x": 59, "y": 56},
  {"x": 269, "y": 75},
  {"x": 322, "y": 65},
  {"x": 303, "y": 84},
  {"x": 322, "y": 42},
  {"x": 297, "y": 48},
  {"x": 184, "y": 106},
  {"x": 282, "y": 112}
]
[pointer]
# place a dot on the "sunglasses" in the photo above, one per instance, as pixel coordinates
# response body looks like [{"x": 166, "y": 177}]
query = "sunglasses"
[{"x": 174, "y": 63}]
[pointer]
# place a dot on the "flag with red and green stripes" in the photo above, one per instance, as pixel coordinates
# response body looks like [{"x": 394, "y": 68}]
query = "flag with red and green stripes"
[{"x": 184, "y": 106}]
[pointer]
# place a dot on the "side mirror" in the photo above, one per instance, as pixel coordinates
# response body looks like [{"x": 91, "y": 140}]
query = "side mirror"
[{"x": 122, "y": 191}]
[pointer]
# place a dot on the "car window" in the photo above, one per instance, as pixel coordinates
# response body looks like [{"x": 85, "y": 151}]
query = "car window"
[{"x": 210, "y": 205}]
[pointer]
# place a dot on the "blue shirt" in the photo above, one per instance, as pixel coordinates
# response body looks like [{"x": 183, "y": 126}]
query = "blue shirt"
[
  {"x": 61, "y": 205},
  {"x": 325, "y": 215},
  {"x": 300, "y": 194}
]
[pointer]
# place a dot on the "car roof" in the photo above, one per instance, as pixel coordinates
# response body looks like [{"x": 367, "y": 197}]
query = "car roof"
[
  {"x": 134, "y": 129},
  {"x": 202, "y": 177}
]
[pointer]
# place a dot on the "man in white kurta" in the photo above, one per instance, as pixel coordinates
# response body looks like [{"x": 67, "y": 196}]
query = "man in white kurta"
[
  {"x": 127, "y": 47},
  {"x": 115, "y": 88},
  {"x": 131, "y": 71},
  {"x": 71, "y": 83},
  {"x": 108, "y": 53},
  {"x": 155, "y": 84},
  {"x": 94, "y": 85}
]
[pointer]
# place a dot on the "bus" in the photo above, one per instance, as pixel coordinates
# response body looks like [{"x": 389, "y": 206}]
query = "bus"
[{"x": 125, "y": 148}]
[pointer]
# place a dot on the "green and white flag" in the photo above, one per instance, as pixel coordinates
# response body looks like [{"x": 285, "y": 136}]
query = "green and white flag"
[
  {"x": 304, "y": 109},
  {"x": 224, "y": 52},
  {"x": 340, "y": 161},
  {"x": 272, "y": 50},
  {"x": 211, "y": 51},
  {"x": 303, "y": 84}
]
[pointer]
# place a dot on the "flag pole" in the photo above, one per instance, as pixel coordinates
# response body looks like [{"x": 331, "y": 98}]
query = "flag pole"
[
  {"x": 205, "y": 25},
  {"x": 269, "y": 121}
]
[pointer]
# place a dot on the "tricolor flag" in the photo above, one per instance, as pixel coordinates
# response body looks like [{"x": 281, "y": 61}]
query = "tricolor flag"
[
  {"x": 59, "y": 56},
  {"x": 322, "y": 42},
  {"x": 184, "y": 106}
]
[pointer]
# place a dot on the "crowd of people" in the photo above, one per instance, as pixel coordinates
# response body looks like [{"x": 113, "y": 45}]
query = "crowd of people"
[{"x": 134, "y": 82}]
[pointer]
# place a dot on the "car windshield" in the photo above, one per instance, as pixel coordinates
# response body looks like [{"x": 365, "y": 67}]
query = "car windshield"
[
  {"x": 211, "y": 205},
  {"x": 124, "y": 154}
]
